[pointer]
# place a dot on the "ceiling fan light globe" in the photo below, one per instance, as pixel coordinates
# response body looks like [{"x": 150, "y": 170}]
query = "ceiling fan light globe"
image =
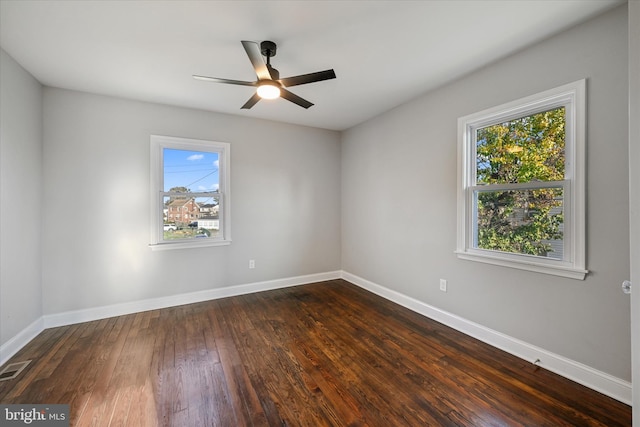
[{"x": 268, "y": 91}]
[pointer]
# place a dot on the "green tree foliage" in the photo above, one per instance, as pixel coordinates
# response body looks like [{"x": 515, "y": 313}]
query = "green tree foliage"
[
  {"x": 168, "y": 201},
  {"x": 179, "y": 190},
  {"x": 528, "y": 149}
]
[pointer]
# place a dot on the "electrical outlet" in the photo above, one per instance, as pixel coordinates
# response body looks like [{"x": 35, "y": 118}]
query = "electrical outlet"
[
  {"x": 443, "y": 285},
  {"x": 252, "y": 263}
]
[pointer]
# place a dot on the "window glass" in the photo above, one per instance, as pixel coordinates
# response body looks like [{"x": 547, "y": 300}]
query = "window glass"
[
  {"x": 526, "y": 222},
  {"x": 529, "y": 149},
  {"x": 189, "y": 171},
  {"x": 526, "y": 149}
]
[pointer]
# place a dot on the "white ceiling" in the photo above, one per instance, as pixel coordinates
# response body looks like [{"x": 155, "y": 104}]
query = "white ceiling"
[{"x": 383, "y": 52}]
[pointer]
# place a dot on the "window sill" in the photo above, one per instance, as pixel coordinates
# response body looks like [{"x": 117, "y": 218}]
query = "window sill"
[
  {"x": 188, "y": 245},
  {"x": 525, "y": 264}
]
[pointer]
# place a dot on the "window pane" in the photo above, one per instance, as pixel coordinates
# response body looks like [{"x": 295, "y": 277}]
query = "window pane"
[
  {"x": 527, "y": 149},
  {"x": 194, "y": 217},
  {"x": 521, "y": 221},
  {"x": 190, "y": 171}
]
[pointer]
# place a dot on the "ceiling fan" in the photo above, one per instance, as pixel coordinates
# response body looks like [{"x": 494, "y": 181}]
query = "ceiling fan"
[{"x": 269, "y": 84}]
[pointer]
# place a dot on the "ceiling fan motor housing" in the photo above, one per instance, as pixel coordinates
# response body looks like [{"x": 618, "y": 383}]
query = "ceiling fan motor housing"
[{"x": 268, "y": 48}]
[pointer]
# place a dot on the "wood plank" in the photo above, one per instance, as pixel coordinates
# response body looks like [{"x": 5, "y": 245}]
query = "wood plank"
[
  {"x": 96, "y": 406},
  {"x": 249, "y": 410}
]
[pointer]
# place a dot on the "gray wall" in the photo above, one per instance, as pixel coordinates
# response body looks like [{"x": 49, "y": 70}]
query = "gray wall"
[
  {"x": 399, "y": 202},
  {"x": 285, "y": 202},
  {"x": 20, "y": 198}
]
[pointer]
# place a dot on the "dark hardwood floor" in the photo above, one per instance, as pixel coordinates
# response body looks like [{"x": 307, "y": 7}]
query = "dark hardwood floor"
[{"x": 325, "y": 354}]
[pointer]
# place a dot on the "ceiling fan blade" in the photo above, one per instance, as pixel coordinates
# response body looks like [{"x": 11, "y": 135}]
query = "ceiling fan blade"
[
  {"x": 294, "y": 98},
  {"x": 308, "y": 78},
  {"x": 255, "y": 56},
  {"x": 228, "y": 81},
  {"x": 251, "y": 102}
]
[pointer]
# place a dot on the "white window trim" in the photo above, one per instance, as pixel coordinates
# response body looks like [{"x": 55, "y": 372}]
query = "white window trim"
[
  {"x": 573, "y": 97},
  {"x": 158, "y": 143}
]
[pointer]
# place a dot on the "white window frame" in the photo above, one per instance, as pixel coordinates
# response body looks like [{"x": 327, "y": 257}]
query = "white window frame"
[
  {"x": 158, "y": 144},
  {"x": 572, "y": 97}
]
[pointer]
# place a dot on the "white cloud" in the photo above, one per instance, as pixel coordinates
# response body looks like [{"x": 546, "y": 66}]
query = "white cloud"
[
  {"x": 213, "y": 187},
  {"x": 216, "y": 163},
  {"x": 194, "y": 157}
]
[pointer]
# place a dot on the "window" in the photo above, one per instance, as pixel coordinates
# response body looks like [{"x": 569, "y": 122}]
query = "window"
[
  {"x": 521, "y": 187},
  {"x": 189, "y": 193}
]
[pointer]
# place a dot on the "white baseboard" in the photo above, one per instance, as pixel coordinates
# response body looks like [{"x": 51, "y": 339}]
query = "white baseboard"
[
  {"x": 97, "y": 313},
  {"x": 600, "y": 381},
  {"x": 11, "y": 347}
]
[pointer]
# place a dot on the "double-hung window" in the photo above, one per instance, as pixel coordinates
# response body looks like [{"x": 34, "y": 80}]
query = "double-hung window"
[
  {"x": 521, "y": 183},
  {"x": 189, "y": 193}
]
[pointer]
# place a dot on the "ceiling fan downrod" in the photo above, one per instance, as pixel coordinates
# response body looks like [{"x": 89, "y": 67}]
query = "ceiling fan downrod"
[{"x": 268, "y": 49}]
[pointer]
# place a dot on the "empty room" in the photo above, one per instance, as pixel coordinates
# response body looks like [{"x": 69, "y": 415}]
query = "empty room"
[{"x": 319, "y": 213}]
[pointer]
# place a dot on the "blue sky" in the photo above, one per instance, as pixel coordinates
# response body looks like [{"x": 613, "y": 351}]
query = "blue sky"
[{"x": 196, "y": 170}]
